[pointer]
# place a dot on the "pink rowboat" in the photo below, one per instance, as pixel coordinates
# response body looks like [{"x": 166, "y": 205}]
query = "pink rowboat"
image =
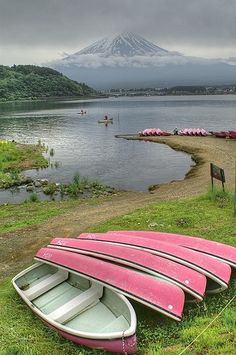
[
  {"x": 80, "y": 310},
  {"x": 223, "y": 252},
  {"x": 217, "y": 272},
  {"x": 191, "y": 281},
  {"x": 160, "y": 295}
]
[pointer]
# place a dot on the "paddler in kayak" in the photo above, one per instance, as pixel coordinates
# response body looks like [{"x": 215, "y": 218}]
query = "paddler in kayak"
[{"x": 106, "y": 120}]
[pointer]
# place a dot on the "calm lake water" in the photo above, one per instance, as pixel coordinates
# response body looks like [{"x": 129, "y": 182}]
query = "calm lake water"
[{"x": 83, "y": 145}]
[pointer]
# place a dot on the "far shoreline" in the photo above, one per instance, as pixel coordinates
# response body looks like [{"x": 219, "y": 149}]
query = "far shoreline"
[
  {"x": 56, "y": 98},
  {"x": 111, "y": 96}
]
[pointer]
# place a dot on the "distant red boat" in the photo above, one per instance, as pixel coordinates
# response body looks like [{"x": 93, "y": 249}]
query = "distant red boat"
[
  {"x": 191, "y": 281},
  {"x": 221, "y": 134},
  {"x": 223, "y": 252},
  {"x": 225, "y": 134},
  {"x": 217, "y": 272},
  {"x": 232, "y": 134}
]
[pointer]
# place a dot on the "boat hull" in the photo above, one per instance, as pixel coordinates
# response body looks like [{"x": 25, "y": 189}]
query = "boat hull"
[
  {"x": 125, "y": 345},
  {"x": 223, "y": 252},
  {"x": 159, "y": 295},
  {"x": 105, "y": 121},
  {"x": 217, "y": 272},
  {"x": 121, "y": 345},
  {"x": 191, "y": 281}
]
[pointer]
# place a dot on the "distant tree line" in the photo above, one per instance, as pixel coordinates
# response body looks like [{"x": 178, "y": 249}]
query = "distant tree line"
[
  {"x": 186, "y": 90},
  {"x": 32, "y": 82},
  {"x": 176, "y": 90}
]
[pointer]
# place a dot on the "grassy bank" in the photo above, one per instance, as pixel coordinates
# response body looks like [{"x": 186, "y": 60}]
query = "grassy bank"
[
  {"x": 15, "y": 157},
  {"x": 30, "y": 214},
  {"x": 209, "y": 216}
]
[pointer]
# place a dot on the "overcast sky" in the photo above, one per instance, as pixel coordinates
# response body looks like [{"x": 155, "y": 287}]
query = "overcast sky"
[{"x": 36, "y": 31}]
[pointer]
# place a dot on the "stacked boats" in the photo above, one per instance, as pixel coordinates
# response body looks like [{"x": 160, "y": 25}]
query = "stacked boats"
[
  {"x": 199, "y": 132},
  {"x": 79, "y": 286},
  {"x": 153, "y": 132}
]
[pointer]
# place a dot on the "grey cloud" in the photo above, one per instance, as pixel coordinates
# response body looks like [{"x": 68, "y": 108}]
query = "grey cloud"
[
  {"x": 97, "y": 61},
  {"x": 68, "y": 25}
]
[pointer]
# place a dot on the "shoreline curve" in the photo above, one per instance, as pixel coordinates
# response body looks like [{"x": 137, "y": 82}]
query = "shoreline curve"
[{"x": 203, "y": 150}]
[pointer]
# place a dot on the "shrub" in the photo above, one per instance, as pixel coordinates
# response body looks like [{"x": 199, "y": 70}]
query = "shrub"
[
  {"x": 33, "y": 197},
  {"x": 50, "y": 189},
  {"x": 77, "y": 179},
  {"x": 73, "y": 189}
]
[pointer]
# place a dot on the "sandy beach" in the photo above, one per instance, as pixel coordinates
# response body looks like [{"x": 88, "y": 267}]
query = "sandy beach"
[{"x": 204, "y": 150}]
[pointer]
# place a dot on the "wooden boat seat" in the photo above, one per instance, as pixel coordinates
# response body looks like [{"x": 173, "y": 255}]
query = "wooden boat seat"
[
  {"x": 45, "y": 284},
  {"x": 78, "y": 304}
]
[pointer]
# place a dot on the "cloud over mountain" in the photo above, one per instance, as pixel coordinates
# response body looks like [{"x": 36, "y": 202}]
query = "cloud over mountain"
[{"x": 130, "y": 59}]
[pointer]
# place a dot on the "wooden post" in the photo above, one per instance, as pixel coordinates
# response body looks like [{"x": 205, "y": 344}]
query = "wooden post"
[
  {"x": 217, "y": 173},
  {"x": 235, "y": 192},
  {"x": 212, "y": 181}
]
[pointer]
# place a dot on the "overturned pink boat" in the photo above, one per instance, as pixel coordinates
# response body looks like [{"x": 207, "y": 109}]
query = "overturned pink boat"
[
  {"x": 159, "y": 295},
  {"x": 191, "y": 281},
  {"x": 223, "y": 252},
  {"x": 217, "y": 273}
]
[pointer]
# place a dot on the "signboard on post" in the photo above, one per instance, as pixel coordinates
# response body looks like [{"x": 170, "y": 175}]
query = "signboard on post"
[
  {"x": 217, "y": 173},
  {"x": 235, "y": 201}
]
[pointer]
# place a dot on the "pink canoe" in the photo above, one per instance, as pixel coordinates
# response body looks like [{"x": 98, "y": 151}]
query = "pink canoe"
[
  {"x": 217, "y": 272},
  {"x": 162, "y": 296},
  {"x": 223, "y": 252},
  {"x": 191, "y": 281}
]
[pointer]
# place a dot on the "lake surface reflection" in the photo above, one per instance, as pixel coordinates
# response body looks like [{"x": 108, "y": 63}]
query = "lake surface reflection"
[{"x": 83, "y": 145}]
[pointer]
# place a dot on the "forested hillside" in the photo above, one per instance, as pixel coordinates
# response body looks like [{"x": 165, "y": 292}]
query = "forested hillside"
[{"x": 34, "y": 82}]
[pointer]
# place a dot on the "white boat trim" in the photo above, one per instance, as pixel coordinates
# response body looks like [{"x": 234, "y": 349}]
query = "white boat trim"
[{"x": 114, "y": 335}]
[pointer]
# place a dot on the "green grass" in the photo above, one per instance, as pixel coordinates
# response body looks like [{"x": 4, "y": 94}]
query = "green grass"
[
  {"x": 21, "y": 333},
  {"x": 18, "y": 156},
  {"x": 200, "y": 217},
  {"x": 15, "y": 157},
  {"x": 15, "y": 217},
  {"x": 207, "y": 216}
]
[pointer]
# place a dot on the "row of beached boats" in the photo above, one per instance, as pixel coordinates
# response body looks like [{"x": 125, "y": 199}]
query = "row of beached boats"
[
  {"x": 153, "y": 132},
  {"x": 224, "y": 134},
  {"x": 199, "y": 132},
  {"x": 80, "y": 286}
]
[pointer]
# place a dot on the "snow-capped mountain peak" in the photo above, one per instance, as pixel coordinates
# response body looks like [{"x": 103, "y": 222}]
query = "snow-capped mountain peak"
[
  {"x": 126, "y": 44},
  {"x": 129, "y": 60}
]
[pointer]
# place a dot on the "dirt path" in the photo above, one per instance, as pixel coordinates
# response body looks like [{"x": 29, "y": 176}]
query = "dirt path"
[{"x": 204, "y": 149}]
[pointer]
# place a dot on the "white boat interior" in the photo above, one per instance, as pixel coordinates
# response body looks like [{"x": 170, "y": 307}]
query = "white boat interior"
[{"x": 74, "y": 302}]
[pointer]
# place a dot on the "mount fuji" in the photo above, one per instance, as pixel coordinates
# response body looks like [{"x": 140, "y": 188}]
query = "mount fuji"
[
  {"x": 128, "y": 60},
  {"x": 125, "y": 45}
]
